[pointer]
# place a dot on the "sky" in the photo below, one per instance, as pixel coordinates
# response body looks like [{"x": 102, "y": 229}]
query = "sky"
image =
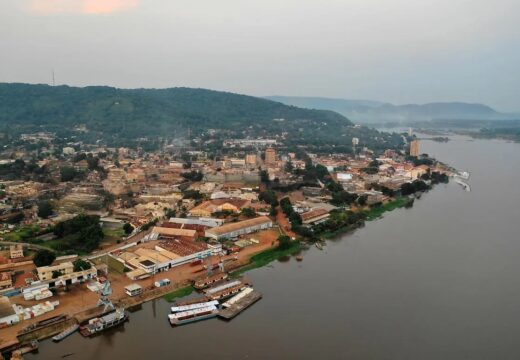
[{"x": 399, "y": 51}]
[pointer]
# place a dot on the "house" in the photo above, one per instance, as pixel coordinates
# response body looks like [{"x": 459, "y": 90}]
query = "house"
[
  {"x": 233, "y": 230},
  {"x": 16, "y": 251}
]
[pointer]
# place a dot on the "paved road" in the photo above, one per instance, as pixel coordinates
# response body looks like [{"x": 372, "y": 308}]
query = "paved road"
[{"x": 28, "y": 245}]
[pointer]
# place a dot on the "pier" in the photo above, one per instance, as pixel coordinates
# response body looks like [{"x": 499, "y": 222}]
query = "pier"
[{"x": 240, "y": 305}]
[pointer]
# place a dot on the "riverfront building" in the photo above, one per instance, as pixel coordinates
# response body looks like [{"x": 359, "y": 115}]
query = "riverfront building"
[{"x": 233, "y": 230}]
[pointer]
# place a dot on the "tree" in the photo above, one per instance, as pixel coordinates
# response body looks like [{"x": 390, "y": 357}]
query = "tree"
[
  {"x": 269, "y": 197},
  {"x": 44, "y": 258},
  {"x": 284, "y": 242},
  {"x": 289, "y": 166},
  {"x": 248, "y": 212},
  {"x": 68, "y": 173},
  {"x": 264, "y": 177},
  {"x": 44, "y": 209},
  {"x": 128, "y": 228},
  {"x": 81, "y": 265}
]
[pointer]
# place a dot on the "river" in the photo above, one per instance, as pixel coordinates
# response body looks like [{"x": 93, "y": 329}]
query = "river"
[{"x": 438, "y": 281}]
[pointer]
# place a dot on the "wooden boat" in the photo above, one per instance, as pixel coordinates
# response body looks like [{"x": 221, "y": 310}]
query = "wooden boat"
[{"x": 299, "y": 258}]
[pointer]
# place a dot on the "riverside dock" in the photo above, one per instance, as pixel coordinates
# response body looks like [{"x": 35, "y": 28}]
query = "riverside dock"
[{"x": 242, "y": 304}]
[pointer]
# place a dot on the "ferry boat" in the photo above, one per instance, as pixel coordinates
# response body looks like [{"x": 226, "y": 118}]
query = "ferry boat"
[
  {"x": 186, "y": 317},
  {"x": 175, "y": 309},
  {"x": 209, "y": 280},
  {"x": 104, "y": 322},
  {"x": 68, "y": 331}
]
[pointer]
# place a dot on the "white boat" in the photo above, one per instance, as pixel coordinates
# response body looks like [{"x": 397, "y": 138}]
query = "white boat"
[
  {"x": 193, "y": 306},
  {"x": 463, "y": 184},
  {"x": 190, "y": 316}
]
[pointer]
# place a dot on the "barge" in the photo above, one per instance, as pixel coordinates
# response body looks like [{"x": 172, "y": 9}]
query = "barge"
[
  {"x": 186, "y": 317},
  {"x": 104, "y": 322},
  {"x": 227, "y": 292},
  {"x": 233, "y": 308},
  {"x": 209, "y": 280},
  {"x": 68, "y": 331}
]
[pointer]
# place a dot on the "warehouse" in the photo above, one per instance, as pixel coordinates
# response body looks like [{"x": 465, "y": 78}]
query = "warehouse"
[
  {"x": 8, "y": 315},
  {"x": 233, "y": 230}
]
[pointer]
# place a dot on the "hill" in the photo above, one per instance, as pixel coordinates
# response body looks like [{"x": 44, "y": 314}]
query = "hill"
[
  {"x": 134, "y": 113},
  {"x": 148, "y": 118},
  {"x": 373, "y": 111}
]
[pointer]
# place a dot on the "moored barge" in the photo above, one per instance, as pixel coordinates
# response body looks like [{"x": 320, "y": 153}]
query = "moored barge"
[{"x": 186, "y": 317}]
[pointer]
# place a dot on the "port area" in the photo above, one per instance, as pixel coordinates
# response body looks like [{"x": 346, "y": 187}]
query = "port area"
[
  {"x": 80, "y": 304},
  {"x": 240, "y": 305}
]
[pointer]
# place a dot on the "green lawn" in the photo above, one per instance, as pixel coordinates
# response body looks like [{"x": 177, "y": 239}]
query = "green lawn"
[{"x": 265, "y": 257}]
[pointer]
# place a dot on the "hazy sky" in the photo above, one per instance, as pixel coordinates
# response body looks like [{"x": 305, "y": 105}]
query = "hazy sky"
[{"x": 399, "y": 51}]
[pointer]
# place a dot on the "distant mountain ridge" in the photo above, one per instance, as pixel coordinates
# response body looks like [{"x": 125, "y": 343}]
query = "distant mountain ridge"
[{"x": 373, "y": 111}]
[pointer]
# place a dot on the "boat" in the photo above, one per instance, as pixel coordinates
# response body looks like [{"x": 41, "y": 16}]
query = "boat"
[
  {"x": 68, "y": 331},
  {"x": 299, "y": 258},
  {"x": 186, "y": 317},
  {"x": 319, "y": 245},
  {"x": 463, "y": 175},
  {"x": 104, "y": 322},
  {"x": 175, "y": 309},
  {"x": 209, "y": 280},
  {"x": 463, "y": 184}
]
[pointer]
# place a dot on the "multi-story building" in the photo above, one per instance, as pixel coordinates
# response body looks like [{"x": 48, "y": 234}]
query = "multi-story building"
[
  {"x": 414, "y": 148},
  {"x": 270, "y": 156}
]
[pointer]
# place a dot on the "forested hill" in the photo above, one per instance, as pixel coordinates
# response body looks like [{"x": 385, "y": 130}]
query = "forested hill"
[{"x": 144, "y": 112}]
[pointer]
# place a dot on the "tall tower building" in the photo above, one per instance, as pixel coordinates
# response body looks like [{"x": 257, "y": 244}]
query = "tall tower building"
[
  {"x": 414, "y": 148},
  {"x": 270, "y": 156}
]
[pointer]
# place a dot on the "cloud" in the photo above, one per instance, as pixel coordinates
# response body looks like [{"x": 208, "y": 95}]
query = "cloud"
[{"x": 51, "y": 7}]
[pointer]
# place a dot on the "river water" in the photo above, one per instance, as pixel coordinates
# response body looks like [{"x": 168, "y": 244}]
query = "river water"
[{"x": 438, "y": 281}]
